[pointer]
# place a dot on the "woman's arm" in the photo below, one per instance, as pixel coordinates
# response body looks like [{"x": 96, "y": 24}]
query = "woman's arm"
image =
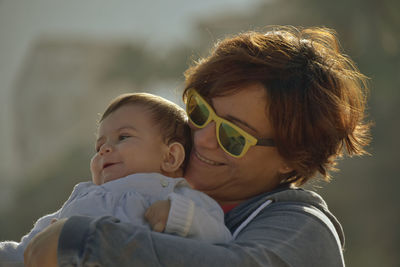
[{"x": 281, "y": 235}]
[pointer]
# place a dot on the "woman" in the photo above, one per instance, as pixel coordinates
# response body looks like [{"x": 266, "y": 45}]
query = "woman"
[{"x": 269, "y": 111}]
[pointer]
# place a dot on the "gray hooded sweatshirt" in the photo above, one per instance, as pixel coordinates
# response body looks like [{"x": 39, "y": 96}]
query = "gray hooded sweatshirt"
[{"x": 285, "y": 227}]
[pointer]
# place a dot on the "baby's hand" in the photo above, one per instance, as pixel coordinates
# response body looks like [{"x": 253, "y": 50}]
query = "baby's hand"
[{"x": 157, "y": 215}]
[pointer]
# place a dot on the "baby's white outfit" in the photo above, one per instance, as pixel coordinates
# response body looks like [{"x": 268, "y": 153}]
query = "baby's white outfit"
[{"x": 193, "y": 214}]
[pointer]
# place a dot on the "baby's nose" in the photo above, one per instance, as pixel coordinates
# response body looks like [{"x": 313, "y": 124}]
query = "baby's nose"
[{"x": 105, "y": 148}]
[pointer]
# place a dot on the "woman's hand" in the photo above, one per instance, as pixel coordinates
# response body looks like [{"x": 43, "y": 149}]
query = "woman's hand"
[
  {"x": 157, "y": 215},
  {"x": 42, "y": 250}
]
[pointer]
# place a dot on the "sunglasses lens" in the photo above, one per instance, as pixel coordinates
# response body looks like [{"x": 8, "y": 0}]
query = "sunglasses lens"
[
  {"x": 231, "y": 139},
  {"x": 197, "y": 111}
]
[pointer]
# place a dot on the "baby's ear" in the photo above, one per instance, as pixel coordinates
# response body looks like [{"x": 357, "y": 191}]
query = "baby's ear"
[{"x": 174, "y": 158}]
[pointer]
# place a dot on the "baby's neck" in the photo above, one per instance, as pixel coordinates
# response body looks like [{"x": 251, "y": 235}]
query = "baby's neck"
[{"x": 176, "y": 174}]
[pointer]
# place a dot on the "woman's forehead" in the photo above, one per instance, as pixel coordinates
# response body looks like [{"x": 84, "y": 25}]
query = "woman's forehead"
[{"x": 246, "y": 108}]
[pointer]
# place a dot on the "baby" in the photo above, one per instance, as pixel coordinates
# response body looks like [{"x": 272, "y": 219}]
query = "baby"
[{"x": 140, "y": 153}]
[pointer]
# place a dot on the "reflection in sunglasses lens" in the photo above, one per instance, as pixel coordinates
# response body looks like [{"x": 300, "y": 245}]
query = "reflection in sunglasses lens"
[
  {"x": 197, "y": 111},
  {"x": 231, "y": 139}
]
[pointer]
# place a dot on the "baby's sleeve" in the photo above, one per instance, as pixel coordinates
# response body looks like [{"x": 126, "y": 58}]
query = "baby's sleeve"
[{"x": 193, "y": 214}]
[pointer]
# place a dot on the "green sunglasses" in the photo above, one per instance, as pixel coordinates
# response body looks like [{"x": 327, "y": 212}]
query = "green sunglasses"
[{"x": 232, "y": 139}]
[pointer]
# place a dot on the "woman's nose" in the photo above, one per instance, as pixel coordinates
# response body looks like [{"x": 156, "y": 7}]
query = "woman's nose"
[{"x": 206, "y": 137}]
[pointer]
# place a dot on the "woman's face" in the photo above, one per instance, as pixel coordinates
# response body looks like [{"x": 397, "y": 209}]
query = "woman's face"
[{"x": 228, "y": 179}]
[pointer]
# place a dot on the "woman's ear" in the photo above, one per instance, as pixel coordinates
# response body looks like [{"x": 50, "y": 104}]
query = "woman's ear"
[
  {"x": 173, "y": 159},
  {"x": 285, "y": 169}
]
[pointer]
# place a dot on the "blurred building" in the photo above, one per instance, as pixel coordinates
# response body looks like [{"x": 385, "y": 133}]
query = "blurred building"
[{"x": 65, "y": 84}]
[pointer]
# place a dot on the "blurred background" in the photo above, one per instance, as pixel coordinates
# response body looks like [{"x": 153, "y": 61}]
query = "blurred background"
[{"x": 61, "y": 62}]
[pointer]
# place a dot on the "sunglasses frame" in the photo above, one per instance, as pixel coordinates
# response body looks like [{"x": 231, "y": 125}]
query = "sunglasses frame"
[{"x": 250, "y": 140}]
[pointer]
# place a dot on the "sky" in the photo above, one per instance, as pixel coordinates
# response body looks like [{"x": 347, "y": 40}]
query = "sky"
[{"x": 24, "y": 21}]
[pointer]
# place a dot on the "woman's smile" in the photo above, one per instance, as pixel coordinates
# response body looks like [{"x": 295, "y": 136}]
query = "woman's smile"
[{"x": 205, "y": 160}]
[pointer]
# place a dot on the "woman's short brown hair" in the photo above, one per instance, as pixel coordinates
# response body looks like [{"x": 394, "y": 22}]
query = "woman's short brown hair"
[
  {"x": 316, "y": 96},
  {"x": 168, "y": 116}
]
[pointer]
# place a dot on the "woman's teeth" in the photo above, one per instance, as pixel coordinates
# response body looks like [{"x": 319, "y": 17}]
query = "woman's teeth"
[{"x": 207, "y": 160}]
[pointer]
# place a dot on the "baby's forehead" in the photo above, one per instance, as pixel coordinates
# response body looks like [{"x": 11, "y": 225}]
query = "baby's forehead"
[
  {"x": 136, "y": 117},
  {"x": 140, "y": 109}
]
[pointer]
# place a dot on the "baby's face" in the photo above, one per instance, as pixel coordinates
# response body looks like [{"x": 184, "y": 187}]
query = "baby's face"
[{"x": 128, "y": 142}]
